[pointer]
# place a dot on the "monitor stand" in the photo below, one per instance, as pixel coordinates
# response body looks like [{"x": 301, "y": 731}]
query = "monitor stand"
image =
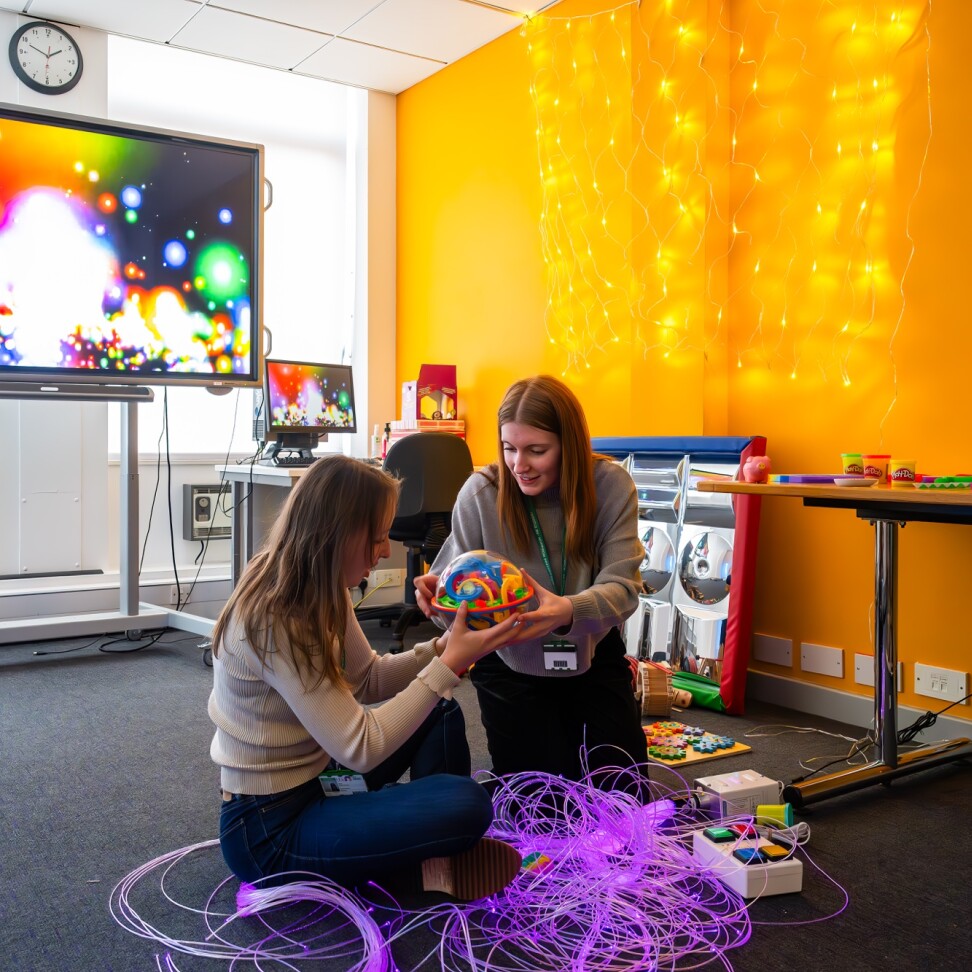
[{"x": 301, "y": 444}]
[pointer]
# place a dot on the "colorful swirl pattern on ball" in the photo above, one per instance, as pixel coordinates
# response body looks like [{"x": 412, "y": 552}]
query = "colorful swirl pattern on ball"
[{"x": 489, "y": 584}]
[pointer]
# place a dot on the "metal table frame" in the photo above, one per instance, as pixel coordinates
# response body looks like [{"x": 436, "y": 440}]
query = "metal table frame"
[
  {"x": 132, "y": 616},
  {"x": 887, "y": 510}
]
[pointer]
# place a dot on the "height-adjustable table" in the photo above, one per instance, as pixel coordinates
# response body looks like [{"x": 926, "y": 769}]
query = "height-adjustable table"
[{"x": 886, "y": 509}]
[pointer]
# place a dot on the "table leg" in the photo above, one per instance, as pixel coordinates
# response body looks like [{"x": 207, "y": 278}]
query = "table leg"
[
  {"x": 242, "y": 529},
  {"x": 885, "y": 643},
  {"x": 889, "y": 763}
]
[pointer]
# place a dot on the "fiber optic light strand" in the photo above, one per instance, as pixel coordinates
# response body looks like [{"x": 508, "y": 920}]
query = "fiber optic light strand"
[
  {"x": 618, "y": 889},
  {"x": 365, "y": 948}
]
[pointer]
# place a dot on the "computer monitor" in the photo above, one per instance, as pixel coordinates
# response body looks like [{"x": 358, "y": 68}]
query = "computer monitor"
[{"x": 304, "y": 401}]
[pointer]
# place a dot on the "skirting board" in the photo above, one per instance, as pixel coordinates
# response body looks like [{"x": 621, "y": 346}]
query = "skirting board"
[{"x": 854, "y": 710}]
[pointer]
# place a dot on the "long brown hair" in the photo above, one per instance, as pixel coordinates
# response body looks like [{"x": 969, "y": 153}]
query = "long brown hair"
[
  {"x": 294, "y": 587},
  {"x": 544, "y": 403}
]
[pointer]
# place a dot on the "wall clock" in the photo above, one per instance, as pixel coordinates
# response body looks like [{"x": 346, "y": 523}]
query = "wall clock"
[{"x": 45, "y": 57}]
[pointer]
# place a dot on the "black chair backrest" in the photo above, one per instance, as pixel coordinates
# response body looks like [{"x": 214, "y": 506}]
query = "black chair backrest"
[{"x": 432, "y": 467}]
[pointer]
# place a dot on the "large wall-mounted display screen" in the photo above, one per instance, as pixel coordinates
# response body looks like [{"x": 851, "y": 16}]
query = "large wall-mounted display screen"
[{"x": 127, "y": 254}]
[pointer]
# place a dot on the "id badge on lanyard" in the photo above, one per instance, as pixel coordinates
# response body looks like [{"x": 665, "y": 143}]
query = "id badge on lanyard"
[
  {"x": 341, "y": 782},
  {"x": 558, "y": 655}
]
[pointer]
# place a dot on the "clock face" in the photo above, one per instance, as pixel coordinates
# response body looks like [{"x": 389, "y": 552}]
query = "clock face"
[{"x": 45, "y": 57}]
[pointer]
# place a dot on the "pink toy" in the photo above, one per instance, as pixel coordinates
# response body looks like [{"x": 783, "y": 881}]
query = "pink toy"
[{"x": 756, "y": 469}]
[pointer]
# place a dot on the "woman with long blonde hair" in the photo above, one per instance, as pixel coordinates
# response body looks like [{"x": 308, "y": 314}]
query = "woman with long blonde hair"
[{"x": 294, "y": 687}]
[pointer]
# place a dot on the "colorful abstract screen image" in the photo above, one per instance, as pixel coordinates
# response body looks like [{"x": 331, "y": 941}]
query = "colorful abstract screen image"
[
  {"x": 304, "y": 396},
  {"x": 127, "y": 255}
]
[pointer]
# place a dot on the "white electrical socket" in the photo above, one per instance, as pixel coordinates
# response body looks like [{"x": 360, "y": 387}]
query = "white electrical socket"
[
  {"x": 174, "y": 594},
  {"x": 822, "y": 660},
  {"x": 386, "y": 578},
  {"x": 864, "y": 671},
  {"x": 940, "y": 683},
  {"x": 775, "y": 651}
]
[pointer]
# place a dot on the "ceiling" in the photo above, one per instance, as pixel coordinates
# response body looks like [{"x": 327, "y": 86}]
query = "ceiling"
[{"x": 384, "y": 45}]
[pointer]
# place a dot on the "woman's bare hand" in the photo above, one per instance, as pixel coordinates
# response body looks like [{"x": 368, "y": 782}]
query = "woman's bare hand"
[
  {"x": 424, "y": 592},
  {"x": 552, "y": 611},
  {"x": 465, "y": 646}
]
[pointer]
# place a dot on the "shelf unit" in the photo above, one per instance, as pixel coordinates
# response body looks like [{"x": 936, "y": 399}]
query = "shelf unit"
[{"x": 695, "y": 609}]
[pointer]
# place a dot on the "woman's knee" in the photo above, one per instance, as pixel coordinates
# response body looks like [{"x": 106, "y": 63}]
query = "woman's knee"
[{"x": 472, "y": 804}]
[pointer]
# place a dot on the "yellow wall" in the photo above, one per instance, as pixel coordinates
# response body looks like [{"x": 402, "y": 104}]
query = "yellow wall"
[
  {"x": 471, "y": 280},
  {"x": 851, "y": 334}
]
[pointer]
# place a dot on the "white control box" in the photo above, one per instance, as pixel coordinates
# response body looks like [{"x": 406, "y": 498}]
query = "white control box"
[
  {"x": 749, "y": 880},
  {"x": 733, "y": 794},
  {"x": 206, "y": 512}
]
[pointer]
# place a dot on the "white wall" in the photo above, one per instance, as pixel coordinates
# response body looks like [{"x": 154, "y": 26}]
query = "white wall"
[
  {"x": 329, "y": 292},
  {"x": 53, "y": 482}
]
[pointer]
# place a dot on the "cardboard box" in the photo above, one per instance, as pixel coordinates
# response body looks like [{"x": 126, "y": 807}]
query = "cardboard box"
[{"x": 433, "y": 396}]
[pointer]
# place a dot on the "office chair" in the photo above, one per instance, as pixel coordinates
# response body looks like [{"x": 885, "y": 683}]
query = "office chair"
[{"x": 432, "y": 467}]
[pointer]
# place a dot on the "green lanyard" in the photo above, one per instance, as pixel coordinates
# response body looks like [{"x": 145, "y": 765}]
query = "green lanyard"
[{"x": 545, "y": 554}]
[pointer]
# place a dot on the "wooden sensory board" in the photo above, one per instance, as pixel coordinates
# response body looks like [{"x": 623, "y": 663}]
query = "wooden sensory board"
[{"x": 692, "y": 756}]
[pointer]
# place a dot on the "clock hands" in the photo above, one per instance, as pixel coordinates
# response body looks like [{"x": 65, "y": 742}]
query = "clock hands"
[
  {"x": 48, "y": 53},
  {"x": 45, "y": 58}
]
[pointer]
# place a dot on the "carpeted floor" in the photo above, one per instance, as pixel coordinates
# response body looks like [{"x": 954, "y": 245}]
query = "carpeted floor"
[{"x": 105, "y": 767}]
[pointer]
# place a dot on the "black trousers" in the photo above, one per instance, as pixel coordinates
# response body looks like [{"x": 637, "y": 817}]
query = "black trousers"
[{"x": 540, "y": 724}]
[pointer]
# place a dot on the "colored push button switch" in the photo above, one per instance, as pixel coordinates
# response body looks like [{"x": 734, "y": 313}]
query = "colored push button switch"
[
  {"x": 743, "y": 830},
  {"x": 719, "y": 835},
  {"x": 773, "y": 852},
  {"x": 749, "y": 855}
]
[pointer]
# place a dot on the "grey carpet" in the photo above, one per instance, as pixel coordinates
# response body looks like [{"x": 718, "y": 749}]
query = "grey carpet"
[{"x": 105, "y": 766}]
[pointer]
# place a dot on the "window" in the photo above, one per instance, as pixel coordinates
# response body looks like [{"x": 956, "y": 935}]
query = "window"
[{"x": 308, "y": 260}]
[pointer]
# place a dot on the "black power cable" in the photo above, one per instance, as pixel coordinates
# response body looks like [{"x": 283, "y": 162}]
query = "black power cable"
[{"x": 926, "y": 721}]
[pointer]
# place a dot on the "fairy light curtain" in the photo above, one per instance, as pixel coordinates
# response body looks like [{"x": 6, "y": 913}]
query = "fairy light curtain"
[{"x": 725, "y": 175}]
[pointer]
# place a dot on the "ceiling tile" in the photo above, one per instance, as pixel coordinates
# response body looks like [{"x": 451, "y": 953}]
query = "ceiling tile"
[
  {"x": 248, "y": 38},
  {"x": 523, "y": 6},
  {"x": 156, "y": 20},
  {"x": 328, "y": 16},
  {"x": 389, "y": 45},
  {"x": 442, "y": 29},
  {"x": 367, "y": 67}
]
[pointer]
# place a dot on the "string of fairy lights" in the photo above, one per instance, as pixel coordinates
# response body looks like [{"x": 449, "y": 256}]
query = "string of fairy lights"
[{"x": 726, "y": 180}]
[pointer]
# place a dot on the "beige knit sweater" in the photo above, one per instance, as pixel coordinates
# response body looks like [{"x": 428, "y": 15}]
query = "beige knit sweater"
[{"x": 272, "y": 735}]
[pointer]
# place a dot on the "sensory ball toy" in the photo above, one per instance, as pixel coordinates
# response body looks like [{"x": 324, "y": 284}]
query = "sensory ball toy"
[{"x": 491, "y": 587}]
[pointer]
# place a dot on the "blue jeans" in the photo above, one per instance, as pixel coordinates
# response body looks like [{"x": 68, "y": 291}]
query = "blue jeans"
[{"x": 385, "y": 832}]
